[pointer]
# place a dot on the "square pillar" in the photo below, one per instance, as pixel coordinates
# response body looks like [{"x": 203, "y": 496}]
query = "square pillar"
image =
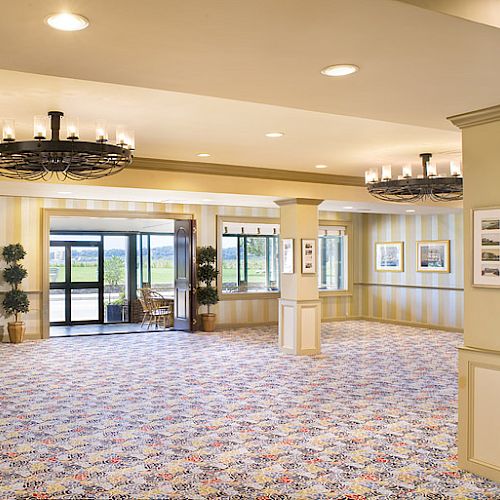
[
  {"x": 299, "y": 307},
  {"x": 479, "y": 358}
]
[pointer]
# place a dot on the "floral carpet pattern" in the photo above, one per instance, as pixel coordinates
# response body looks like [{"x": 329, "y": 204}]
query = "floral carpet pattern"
[{"x": 226, "y": 415}]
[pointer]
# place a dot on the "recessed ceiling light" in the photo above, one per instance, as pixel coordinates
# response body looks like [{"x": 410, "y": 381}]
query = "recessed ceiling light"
[
  {"x": 340, "y": 70},
  {"x": 65, "y": 21},
  {"x": 410, "y": 211},
  {"x": 207, "y": 199},
  {"x": 347, "y": 208},
  {"x": 275, "y": 134},
  {"x": 321, "y": 166},
  {"x": 64, "y": 192},
  {"x": 203, "y": 155}
]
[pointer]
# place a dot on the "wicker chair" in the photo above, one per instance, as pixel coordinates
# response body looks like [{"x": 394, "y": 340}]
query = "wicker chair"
[
  {"x": 156, "y": 309},
  {"x": 144, "y": 301},
  {"x": 161, "y": 309}
]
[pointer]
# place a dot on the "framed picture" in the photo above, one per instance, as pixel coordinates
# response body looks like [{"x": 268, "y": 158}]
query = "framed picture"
[
  {"x": 486, "y": 250},
  {"x": 308, "y": 256},
  {"x": 389, "y": 256},
  {"x": 433, "y": 256},
  {"x": 287, "y": 245}
]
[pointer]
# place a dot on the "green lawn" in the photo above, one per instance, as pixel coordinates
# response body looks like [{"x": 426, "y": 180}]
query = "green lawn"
[
  {"x": 230, "y": 275},
  {"x": 160, "y": 275},
  {"x": 89, "y": 273}
]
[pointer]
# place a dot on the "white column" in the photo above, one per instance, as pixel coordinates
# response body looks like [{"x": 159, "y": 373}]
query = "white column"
[{"x": 299, "y": 306}]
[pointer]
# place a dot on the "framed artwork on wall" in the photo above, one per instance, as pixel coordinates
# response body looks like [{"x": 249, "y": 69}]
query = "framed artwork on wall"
[
  {"x": 486, "y": 249},
  {"x": 287, "y": 246},
  {"x": 433, "y": 256},
  {"x": 389, "y": 256},
  {"x": 309, "y": 256}
]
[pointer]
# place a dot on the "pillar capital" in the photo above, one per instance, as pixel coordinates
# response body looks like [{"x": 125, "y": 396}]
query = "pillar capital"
[
  {"x": 298, "y": 201},
  {"x": 477, "y": 117}
]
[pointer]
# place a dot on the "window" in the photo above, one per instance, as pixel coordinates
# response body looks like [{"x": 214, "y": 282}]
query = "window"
[
  {"x": 249, "y": 258},
  {"x": 156, "y": 261},
  {"x": 332, "y": 258}
]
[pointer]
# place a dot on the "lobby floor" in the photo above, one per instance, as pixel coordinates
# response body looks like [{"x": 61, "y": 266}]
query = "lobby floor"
[{"x": 180, "y": 415}]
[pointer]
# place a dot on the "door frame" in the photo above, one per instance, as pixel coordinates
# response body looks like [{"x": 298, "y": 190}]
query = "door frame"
[{"x": 48, "y": 213}]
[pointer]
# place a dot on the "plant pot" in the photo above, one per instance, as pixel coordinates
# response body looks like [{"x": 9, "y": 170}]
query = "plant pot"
[
  {"x": 16, "y": 331},
  {"x": 114, "y": 313},
  {"x": 208, "y": 322}
]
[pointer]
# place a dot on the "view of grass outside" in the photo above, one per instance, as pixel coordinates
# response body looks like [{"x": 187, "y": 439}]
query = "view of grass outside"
[
  {"x": 84, "y": 260},
  {"x": 259, "y": 258},
  {"x": 162, "y": 273}
]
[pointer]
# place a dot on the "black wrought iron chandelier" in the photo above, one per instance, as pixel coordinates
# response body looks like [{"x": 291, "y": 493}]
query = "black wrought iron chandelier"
[
  {"x": 407, "y": 188},
  {"x": 44, "y": 158}
]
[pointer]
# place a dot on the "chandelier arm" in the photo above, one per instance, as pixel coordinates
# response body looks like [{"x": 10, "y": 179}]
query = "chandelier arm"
[{"x": 412, "y": 190}]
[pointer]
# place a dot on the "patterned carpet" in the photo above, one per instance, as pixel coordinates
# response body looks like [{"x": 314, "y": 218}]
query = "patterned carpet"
[{"x": 225, "y": 415}]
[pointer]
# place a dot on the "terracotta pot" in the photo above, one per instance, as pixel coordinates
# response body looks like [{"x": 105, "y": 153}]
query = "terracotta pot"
[
  {"x": 16, "y": 331},
  {"x": 208, "y": 322}
]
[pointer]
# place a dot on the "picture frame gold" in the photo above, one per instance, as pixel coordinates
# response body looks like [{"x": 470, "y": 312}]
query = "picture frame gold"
[
  {"x": 389, "y": 256},
  {"x": 433, "y": 256}
]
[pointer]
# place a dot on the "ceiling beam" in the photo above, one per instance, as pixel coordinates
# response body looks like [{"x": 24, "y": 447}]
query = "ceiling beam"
[{"x": 242, "y": 171}]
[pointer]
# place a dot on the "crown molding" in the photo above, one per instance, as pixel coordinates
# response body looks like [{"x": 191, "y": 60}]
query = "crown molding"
[
  {"x": 242, "y": 171},
  {"x": 478, "y": 117},
  {"x": 298, "y": 201}
]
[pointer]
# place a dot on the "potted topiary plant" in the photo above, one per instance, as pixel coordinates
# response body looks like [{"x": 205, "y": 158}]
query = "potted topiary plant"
[
  {"x": 206, "y": 293},
  {"x": 16, "y": 301}
]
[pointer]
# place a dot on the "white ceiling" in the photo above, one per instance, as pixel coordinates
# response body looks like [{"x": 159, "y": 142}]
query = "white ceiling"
[
  {"x": 178, "y": 126},
  {"x": 194, "y": 76},
  {"x": 417, "y": 66}
]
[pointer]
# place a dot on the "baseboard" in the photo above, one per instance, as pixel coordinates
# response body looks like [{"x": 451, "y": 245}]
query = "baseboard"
[
  {"x": 415, "y": 324},
  {"x": 233, "y": 326},
  {"x": 340, "y": 318}
]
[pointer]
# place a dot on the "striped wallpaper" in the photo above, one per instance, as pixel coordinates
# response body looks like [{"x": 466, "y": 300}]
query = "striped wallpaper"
[
  {"x": 21, "y": 221},
  {"x": 424, "y": 298}
]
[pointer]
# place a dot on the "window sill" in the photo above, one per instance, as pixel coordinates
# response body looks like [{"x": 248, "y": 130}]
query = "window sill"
[{"x": 249, "y": 295}]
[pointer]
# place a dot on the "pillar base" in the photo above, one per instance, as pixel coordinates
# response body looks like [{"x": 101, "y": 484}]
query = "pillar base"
[
  {"x": 479, "y": 412},
  {"x": 300, "y": 326}
]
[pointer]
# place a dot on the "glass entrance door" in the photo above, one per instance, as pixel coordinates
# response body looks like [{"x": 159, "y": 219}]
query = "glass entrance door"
[
  {"x": 76, "y": 282},
  {"x": 116, "y": 278}
]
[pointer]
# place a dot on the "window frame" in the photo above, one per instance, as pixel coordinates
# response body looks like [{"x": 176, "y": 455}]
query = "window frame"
[
  {"x": 140, "y": 257},
  {"x": 350, "y": 258},
  {"x": 221, "y": 219}
]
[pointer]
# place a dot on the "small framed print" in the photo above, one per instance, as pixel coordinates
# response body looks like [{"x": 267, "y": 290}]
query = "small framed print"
[
  {"x": 486, "y": 250},
  {"x": 389, "y": 256},
  {"x": 308, "y": 256},
  {"x": 287, "y": 246},
  {"x": 433, "y": 256}
]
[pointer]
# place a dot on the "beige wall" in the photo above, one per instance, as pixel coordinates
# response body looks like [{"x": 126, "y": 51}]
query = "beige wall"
[
  {"x": 21, "y": 220},
  {"x": 434, "y": 299}
]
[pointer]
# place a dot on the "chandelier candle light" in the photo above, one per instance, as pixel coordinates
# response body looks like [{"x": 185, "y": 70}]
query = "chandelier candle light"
[
  {"x": 73, "y": 159},
  {"x": 407, "y": 188}
]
